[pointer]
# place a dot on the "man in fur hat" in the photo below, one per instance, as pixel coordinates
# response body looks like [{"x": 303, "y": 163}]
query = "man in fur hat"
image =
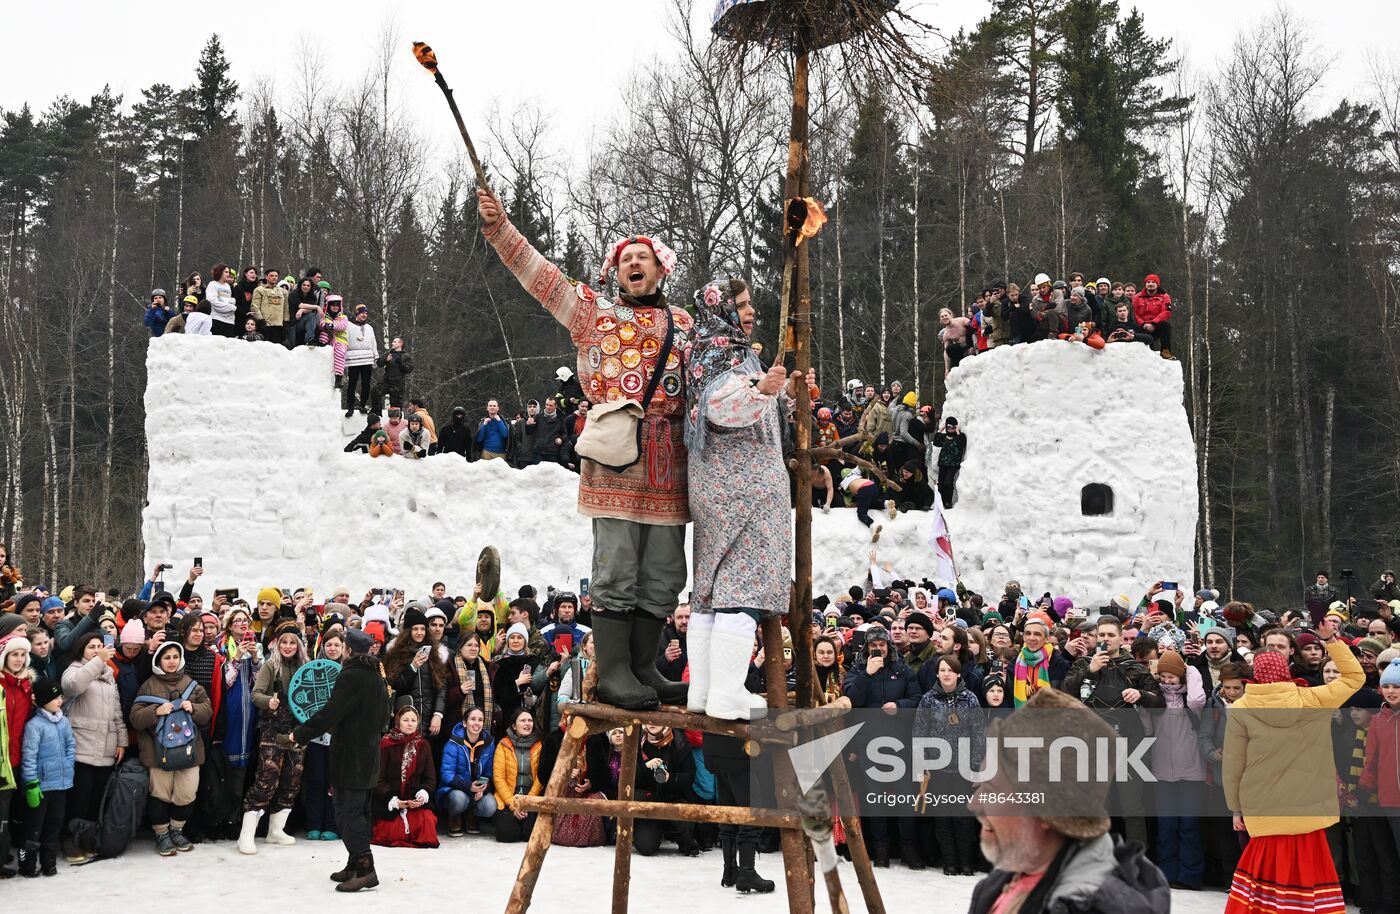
[
  {"x": 627, "y": 347},
  {"x": 1054, "y": 862}
]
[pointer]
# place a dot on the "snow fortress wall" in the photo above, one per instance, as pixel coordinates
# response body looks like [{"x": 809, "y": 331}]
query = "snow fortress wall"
[
  {"x": 248, "y": 472},
  {"x": 1045, "y": 420}
]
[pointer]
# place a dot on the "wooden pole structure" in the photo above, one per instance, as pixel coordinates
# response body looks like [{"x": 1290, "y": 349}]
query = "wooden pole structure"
[
  {"x": 797, "y": 304},
  {"x": 626, "y": 789}
]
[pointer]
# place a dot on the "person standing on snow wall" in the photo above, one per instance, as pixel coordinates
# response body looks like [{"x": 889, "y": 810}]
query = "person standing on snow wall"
[
  {"x": 739, "y": 487},
  {"x": 639, "y": 514}
]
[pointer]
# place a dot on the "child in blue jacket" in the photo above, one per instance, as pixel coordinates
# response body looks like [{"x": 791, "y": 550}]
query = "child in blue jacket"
[{"x": 47, "y": 770}]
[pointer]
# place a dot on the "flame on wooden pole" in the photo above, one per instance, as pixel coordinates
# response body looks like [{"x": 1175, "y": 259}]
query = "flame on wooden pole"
[
  {"x": 425, "y": 56},
  {"x": 798, "y": 28}
]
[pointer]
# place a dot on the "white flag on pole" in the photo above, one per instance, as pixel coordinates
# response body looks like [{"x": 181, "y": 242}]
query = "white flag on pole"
[{"x": 944, "y": 573}]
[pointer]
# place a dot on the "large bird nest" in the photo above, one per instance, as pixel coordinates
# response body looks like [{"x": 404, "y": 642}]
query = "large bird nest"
[{"x": 871, "y": 38}]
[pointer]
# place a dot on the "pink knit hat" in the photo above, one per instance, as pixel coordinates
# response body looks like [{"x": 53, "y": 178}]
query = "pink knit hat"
[{"x": 133, "y": 632}]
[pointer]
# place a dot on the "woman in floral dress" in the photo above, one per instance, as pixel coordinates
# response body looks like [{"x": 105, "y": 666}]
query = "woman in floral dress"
[{"x": 739, "y": 499}]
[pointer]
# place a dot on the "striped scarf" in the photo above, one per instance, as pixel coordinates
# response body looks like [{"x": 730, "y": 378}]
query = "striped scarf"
[
  {"x": 1032, "y": 674},
  {"x": 483, "y": 698}
]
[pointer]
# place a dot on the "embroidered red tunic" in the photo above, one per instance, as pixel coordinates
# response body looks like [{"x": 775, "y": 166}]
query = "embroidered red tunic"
[{"x": 618, "y": 346}]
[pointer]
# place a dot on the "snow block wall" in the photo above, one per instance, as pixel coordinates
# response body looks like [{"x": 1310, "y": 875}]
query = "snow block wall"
[
  {"x": 247, "y": 471},
  {"x": 1045, "y": 420}
]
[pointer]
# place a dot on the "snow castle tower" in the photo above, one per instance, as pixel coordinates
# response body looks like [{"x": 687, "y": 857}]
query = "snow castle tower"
[{"x": 1080, "y": 474}]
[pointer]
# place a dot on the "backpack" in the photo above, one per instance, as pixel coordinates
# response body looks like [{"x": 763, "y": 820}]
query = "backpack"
[
  {"x": 175, "y": 733},
  {"x": 119, "y": 818}
]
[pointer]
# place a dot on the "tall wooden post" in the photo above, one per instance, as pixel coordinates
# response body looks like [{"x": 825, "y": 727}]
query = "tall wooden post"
[{"x": 797, "y": 307}]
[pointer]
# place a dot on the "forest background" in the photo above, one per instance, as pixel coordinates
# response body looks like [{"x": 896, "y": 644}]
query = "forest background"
[{"x": 1056, "y": 135}]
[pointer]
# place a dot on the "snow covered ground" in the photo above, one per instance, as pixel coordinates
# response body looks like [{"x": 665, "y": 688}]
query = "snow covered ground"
[{"x": 472, "y": 874}]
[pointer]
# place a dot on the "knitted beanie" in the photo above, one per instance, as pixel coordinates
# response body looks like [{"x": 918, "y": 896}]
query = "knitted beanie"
[
  {"x": 133, "y": 632},
  {"x": 1391, "y": 675},
  {"x": 270, "y": 595},
  {"x": 1172, "y": 662}
]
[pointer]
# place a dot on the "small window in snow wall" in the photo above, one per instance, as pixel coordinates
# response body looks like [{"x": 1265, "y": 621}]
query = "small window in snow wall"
[{"x": 1096, "y": 499}]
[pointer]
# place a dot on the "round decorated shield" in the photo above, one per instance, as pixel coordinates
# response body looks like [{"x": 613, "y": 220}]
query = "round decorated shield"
[{"x": 311, "y": 688}]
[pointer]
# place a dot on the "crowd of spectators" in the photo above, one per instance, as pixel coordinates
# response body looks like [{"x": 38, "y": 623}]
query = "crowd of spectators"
[{"x": 482, "y": 684}]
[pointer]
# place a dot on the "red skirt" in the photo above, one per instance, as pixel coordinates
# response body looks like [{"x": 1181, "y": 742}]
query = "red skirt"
[
  {"x": 409, "y": 828},
  {"x": 1286, "y": 874}
]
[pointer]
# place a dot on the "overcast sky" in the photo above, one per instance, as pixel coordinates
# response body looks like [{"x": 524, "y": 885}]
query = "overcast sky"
[{"x": 570, "y": 56}]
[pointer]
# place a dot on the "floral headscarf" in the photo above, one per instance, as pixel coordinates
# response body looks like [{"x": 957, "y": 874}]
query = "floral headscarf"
[{"x": 720, "y": 347}]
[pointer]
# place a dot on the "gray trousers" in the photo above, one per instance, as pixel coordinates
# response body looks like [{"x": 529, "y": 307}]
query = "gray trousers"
[{"x": 638, "y": 567}]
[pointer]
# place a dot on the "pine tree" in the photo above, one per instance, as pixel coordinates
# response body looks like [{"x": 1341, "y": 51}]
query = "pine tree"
[{"x": 213, "y": 105}]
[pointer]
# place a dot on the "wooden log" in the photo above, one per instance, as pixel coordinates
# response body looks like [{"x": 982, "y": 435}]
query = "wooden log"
[
  {"x": 831, "y": 453},
  {"x": 807, "y": 717},
  {"x": 668, "y": 812},
  {"x": 678, "y": 719},
  {"x": 626, "y": 789},
  {"x": 543, "y": 832}
]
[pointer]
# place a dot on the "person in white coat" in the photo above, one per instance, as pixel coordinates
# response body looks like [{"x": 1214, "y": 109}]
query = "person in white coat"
[
  {"x": 359, "y": 361},
  {"x": 222, "y": 304}
]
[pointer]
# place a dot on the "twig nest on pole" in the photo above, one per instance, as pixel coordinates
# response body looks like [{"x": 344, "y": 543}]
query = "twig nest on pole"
[{"x": 800, "y": 24}]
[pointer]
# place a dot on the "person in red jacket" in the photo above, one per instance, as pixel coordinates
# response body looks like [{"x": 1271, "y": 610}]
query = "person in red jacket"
[{"x": 1153, "y": 309}]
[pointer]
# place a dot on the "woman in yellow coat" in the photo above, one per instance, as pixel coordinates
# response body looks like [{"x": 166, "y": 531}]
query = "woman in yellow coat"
[{"x": 1280, "y": 781}]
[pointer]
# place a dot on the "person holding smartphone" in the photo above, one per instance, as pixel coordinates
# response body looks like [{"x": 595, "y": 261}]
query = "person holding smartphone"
[
  {"x": 414, "y": 668},
  {"x": 464, "y": 792}
]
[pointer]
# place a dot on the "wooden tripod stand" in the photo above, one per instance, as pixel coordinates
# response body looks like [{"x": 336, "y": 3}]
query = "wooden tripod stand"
[{"x": 589, "y": 718}]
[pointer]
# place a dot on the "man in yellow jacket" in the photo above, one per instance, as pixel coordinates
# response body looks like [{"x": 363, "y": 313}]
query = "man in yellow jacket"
[{"x": 1280, "y": 781}]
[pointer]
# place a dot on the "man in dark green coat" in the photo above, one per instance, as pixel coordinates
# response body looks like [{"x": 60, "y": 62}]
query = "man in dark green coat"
[
  {"x": 952, "y": 448},
  {"x": 355, "y": 717}
]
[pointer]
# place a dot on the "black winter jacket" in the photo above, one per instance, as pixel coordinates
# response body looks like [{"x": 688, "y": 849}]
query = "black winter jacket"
[{"x": 355, "y": 717}]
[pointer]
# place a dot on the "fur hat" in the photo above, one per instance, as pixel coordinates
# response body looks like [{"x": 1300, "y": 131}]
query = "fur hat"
[
  {"x": 12, "y": 643},
  {"x": 1046, "y": 715},
  {"x": 1373, "y": 644}
]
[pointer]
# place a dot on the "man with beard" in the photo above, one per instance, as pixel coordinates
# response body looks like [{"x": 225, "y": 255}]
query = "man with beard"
[
  {"x": 1064, "y": 858},
  {"x": 628, "y": 348}
]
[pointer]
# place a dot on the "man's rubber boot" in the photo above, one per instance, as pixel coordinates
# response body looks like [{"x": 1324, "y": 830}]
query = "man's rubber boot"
[
  {"x": 617, "y": 684},
  {"x": 646, "y": 644}
]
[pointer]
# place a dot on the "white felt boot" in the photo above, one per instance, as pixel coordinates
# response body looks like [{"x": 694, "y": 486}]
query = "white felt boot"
[
  {"x": 276, "y": 828},
  {"x": 246, "y": 843},
  {"x": 697, "y": 646},
  {"x": 731, "y": 650}
]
